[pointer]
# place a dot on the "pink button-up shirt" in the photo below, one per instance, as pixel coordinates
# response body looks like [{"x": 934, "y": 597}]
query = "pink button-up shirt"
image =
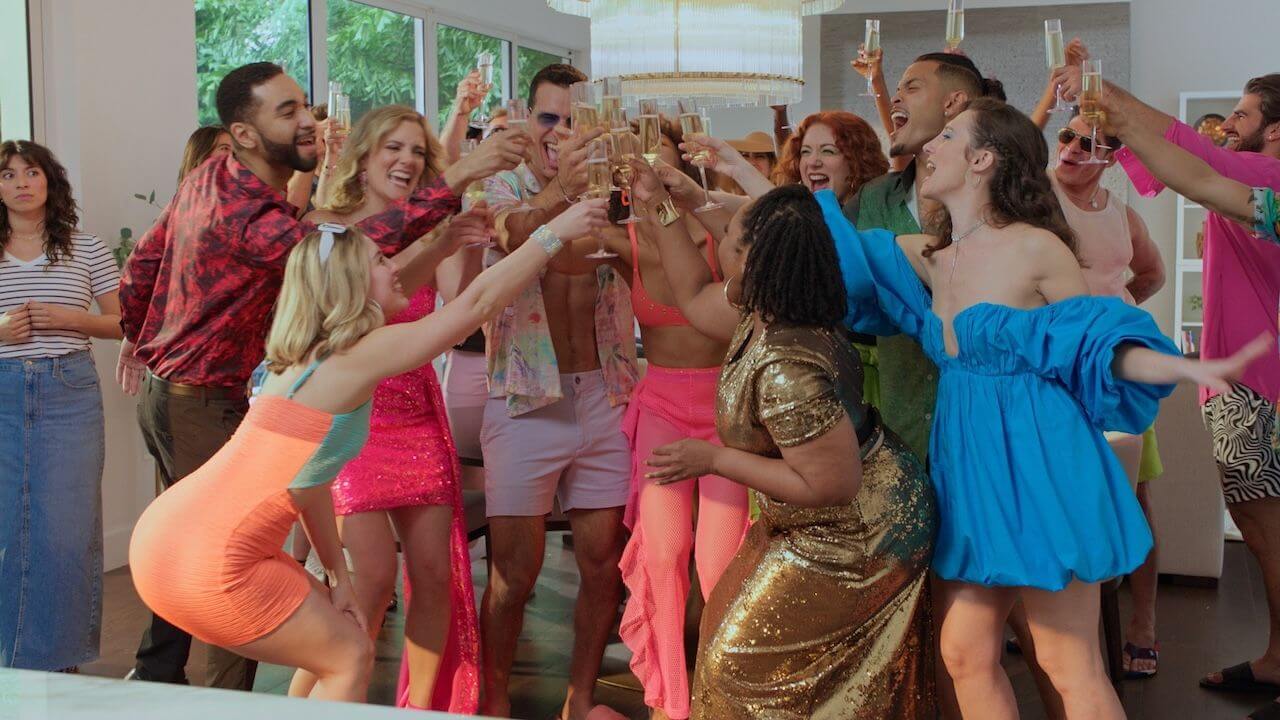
[{"x": 1241, "y": 271}]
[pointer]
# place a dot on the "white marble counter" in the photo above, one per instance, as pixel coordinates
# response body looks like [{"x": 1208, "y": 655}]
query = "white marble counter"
[{"x": 26, "y": 695}]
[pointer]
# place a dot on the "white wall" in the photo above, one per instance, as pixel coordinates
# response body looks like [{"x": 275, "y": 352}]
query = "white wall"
[{"x": 120, "y": 102}]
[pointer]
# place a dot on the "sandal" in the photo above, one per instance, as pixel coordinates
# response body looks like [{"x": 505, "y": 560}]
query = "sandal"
[
  {"x": 1239, "y": 678},
  {"x": 1133, "y": 652},
  {"x": 1270, "y": 711}
]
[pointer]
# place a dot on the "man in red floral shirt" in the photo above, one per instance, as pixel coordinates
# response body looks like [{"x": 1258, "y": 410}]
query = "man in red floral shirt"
[{"x": 197, "y": 294}]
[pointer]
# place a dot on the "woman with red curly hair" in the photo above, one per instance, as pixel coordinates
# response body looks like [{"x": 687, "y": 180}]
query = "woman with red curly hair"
[{"x": 832, "y": 150}]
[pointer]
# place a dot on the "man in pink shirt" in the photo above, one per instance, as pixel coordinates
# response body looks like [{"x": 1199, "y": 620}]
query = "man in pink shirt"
[{"x": 1241, "y": 297}]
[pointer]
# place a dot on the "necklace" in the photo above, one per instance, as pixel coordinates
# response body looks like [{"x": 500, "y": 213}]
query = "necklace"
[
  {"x": 1093, "y": 199},
  {"x": 955, "y": 240}
]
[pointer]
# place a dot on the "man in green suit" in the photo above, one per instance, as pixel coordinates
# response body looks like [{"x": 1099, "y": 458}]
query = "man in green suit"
[{"x": 934, "y": 89}]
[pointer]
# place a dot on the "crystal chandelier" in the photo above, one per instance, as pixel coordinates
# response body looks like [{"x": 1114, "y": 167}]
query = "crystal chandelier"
[{"x": 720, "y": 52}]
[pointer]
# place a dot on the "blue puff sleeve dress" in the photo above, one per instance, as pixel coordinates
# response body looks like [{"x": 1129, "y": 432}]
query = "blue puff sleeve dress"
[{"x": 1029, "y": 493}]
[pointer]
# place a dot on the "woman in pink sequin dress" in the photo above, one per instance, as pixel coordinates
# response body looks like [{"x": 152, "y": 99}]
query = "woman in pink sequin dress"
[{"x": 408, "y": 473}]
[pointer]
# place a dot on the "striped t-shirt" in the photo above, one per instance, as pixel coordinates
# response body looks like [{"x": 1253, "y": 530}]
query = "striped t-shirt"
[{"x": 74, "y": 282}]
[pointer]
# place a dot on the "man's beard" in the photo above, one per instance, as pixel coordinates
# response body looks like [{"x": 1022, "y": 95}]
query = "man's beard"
[
  {"x": 287, "y": 154},
  {"x": 1252, "y": 143}
]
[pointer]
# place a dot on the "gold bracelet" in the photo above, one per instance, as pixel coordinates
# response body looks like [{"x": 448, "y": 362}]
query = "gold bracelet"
[{"x": 666, "y": 212}]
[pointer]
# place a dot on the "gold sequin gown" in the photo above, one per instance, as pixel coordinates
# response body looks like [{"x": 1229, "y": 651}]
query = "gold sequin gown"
[{"x": 824, "y": 612}]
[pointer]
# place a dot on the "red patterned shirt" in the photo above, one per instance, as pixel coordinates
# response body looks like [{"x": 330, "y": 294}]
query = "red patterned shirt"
[{"x": 197, "y": 291}]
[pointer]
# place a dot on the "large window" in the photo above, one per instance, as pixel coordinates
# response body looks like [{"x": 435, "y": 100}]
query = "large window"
[
  {"x": 528, "y": 62},
  {"x": 15, "y": 80},
  {"x": 231, "y": 33},
  {"x": 376, "y": 54},
  {"x": 379, "y": 50},
  {"x": 456, "y": 53}
]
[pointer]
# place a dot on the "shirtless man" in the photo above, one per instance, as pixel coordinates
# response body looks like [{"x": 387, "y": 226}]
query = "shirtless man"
[{"x": 561, "y": 368}]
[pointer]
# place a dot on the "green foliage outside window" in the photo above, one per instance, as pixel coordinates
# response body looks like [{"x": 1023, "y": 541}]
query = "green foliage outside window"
[
  {"x": 528, "y": 63},
  {"x": 373, "y": 54},
  {"x": 456, "y": 52},
  {"x": 231, "y": 33}
]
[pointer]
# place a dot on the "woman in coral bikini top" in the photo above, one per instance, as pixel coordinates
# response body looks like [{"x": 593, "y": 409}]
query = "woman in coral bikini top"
[{"x": 676, "y": 399}]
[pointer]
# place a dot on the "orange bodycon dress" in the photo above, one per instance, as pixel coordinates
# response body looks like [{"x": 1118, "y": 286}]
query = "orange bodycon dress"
[{"x": 206, "y": 555}]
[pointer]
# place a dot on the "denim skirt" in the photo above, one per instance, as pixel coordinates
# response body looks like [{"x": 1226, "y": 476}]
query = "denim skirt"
[{"x": 51, "y": 458}]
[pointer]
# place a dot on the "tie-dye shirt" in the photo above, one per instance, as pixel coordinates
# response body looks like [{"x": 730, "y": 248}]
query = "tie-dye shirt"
[
  {"x": 522, "y": 358},
  {"x": 1266, "y": 214}
]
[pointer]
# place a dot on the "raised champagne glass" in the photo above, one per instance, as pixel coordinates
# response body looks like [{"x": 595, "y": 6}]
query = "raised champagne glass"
[
  {"x": 474, "y": 193},
  {"x": 694, "y": 121},
  {"x": 871, "y": 46},
  {"x": 484, "y": 63},
  {"x": 1055, "y": 56},
  {"x": 955, "y": 23},
  {"x": 1091, "y": 108},
  {"x": 650, "y": 122},
  {"x": 599, "y": 182}
]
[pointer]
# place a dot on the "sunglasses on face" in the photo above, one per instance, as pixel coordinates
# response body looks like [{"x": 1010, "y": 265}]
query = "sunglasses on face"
[{"x": 1066, "y": 135}]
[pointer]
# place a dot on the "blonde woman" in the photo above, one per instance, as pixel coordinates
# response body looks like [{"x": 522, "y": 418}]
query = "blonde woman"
[
  {"x": 408, "y": 473},
  {"x": 206, "y": 554}
]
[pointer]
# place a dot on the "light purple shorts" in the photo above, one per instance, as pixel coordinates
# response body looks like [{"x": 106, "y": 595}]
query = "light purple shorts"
[{"x": 573, "y": 451}]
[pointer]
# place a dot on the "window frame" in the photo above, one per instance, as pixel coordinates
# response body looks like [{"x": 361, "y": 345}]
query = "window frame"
[
  {"x": 35, "y": 70},
  {"x": 430, "y": 17}
]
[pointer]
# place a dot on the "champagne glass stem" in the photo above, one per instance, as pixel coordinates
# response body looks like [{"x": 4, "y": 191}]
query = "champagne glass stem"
[{"x": 706, "y": 194}]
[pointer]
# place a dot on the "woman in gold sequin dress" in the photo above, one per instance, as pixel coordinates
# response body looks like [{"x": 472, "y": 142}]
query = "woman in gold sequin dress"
[{"x": 823, "y": 612}]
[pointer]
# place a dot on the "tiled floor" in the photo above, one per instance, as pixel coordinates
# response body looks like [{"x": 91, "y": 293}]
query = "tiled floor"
[{"x": 1200, "y": 629}]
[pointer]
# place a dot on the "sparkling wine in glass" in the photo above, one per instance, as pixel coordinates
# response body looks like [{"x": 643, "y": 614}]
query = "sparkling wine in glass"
[
  {"x": 341, "y": 114},
  {"x": 1055, "y": 56},
  {"x": 695, "y": 122},
  {"x": 474, "y": 193},
  {"x": 335, "y": 89},
  {"x": 955, "y": 23},
  {"x": 627, "y": 147},
  {"x": 599, "y": 184},
  {"x": 582, "y": 107},
  {"x": 518, "y": 121},
  {"x": 650, "y": 130},
  {"x": 484, "y": 63},
  {"x": 610, "y": 98},
  {"x": 1091, "y": 107},
  {"x": 871, "y": 46}
]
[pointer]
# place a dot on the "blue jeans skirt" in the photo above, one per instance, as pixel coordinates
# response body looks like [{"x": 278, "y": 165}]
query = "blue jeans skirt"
[{"x": 51, "y": 457}]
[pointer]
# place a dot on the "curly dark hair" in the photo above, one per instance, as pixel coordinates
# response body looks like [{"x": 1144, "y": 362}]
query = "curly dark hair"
[
  {"x": 1020, "y": 188},
  {"x": 61, "y": 216},
  {"x": 858, "y": 143},
  {"x": 792, "y": 274}
]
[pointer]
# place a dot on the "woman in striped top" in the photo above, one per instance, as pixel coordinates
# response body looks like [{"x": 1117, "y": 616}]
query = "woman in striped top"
[{"x": 51, "y": 425}]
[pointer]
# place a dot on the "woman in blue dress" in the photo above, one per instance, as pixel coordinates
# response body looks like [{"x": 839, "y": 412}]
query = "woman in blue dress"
[{"x": 1033, "y": 504}]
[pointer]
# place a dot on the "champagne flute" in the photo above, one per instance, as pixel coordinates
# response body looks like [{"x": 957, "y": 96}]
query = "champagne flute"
[
  {"x": 870, "y": 46},
  {"x": 599, "y": 180},
  {"x": 650, "y": 130},
  {"x": 335, "y": 89},
  {"x": 1055, "y": 56},
  {"x": 518, "y": 121},
  {"x": 955, "y": 23},
  {"x": 484, "y": 63},
  {"x": 696, "y": 122},
  {"x": 610, "y": 98},
  {"x": 1091, "y": 107},
  {"x": 341, "y": 114},
  {"x": 474, "y": 193},
  {"x": 628, "y": 149},
  {"x": 584, "y": 115}
]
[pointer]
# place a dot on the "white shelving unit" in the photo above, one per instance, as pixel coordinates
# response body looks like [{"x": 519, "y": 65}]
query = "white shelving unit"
[{"x": 1188, "y": 315}]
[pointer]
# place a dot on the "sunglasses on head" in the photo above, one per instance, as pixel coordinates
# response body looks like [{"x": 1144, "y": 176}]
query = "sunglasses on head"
[{"x": 1066, "y": 135}]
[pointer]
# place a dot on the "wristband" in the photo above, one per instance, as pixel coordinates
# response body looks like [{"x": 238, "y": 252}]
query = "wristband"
[{"x": 547, "y": 240}]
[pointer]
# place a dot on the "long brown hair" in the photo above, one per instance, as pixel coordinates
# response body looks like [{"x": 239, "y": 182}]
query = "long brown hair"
[
  {"x": 61, "y": 216},
  {"x": 1020, "y": 188},
  {"x": 199, "y": 147},
  {"x": 857, "y": 142},
  {"x": 348, "y": 189}
]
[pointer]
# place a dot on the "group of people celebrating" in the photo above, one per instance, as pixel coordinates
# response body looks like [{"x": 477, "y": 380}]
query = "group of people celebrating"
[{"x": 871, "y": 412}]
